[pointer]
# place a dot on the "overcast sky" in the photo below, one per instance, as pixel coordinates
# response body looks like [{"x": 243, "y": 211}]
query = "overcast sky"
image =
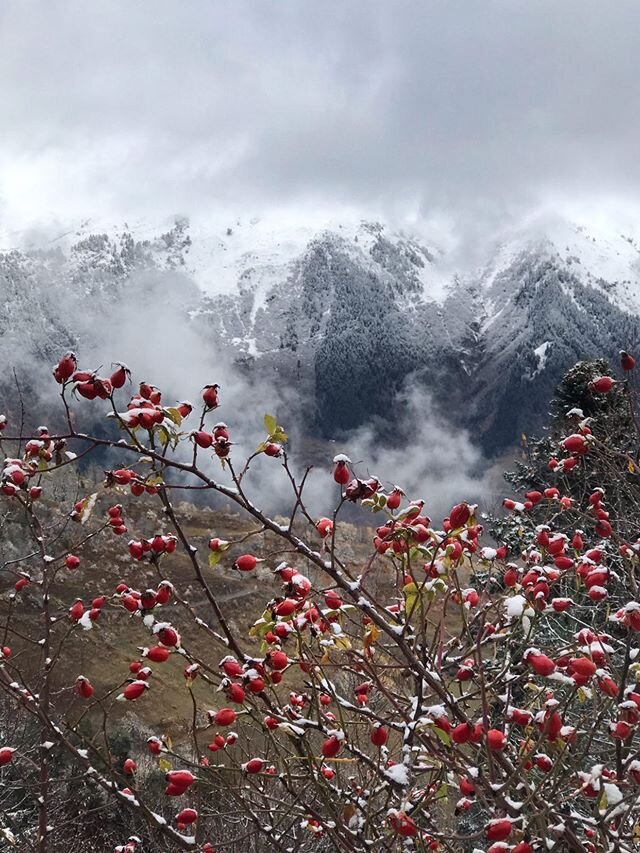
[{"x": 459, "y": 109}]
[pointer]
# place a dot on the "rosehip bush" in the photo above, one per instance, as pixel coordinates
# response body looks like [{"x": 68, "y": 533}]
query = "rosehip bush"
[{"x": 447, "y": 693}]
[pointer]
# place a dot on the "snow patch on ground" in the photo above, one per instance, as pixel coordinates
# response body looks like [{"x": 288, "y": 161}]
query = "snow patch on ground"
[{"x": 541, "y": 353}]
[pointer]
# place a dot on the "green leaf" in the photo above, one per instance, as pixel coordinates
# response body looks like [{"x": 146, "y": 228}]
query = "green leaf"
[
  {"x": 411, "y": 602},
  {"x": 174, "y": 415},
  {"x": 215, "y": 557},
  {"x": 270, "y": 424},
  {"x": 443, "y": 791},
  {"x": 442, "y": 735},
  {"x": 262, "y": 626},
  {"x": 162, "y": 434},
  {"x": 274, "y": 430}
]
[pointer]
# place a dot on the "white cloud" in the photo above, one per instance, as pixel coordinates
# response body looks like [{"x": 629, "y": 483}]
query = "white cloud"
[{"x": 480, "y": 110}]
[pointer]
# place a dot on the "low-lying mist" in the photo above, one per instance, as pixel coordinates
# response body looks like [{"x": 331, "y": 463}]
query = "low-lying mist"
[
  {"x": 145, "y": 321},
  {"x": 152, "y": 332}
]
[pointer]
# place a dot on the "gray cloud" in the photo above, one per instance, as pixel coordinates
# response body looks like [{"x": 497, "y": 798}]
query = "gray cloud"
[{"x": 476, "y": 110}]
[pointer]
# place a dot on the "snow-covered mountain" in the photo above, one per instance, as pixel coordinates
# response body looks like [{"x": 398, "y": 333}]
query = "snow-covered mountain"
[
  {"x": 359, "y": 313},
  {"x": 343, "y": 318}
]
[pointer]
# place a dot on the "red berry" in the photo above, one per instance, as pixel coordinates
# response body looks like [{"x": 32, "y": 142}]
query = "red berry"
[
  {"x": 543, "y": 762},
  {"x": 498, "y": 830},
  {"x": 87, "y": 390},
  {"x": 154, "y": 744},
  {"x": 459, "y": 515},
  {"x": 168, "y": 636},
  {"x": 395, "y": 498},
  {"x": 136, "y": 550},
  {"x": 210, "y": 396},
  {"x": 6, "y": 755},
  {"x": 135, "y": 689},
  {"x": 245, "y": 563},
  {"x": 583, "y": 666},
  {"x": 603, "y": 528},
  {"x": 286, "y": 607},
  {"x": 341, "y": 473},
  {"x": 178, "y": 782},
  {"x": 278, "y": 660},
  {"x": 65, "y": 368},
  {"x": 467, "y": 788},
  {"x": 627, "y": 362},
  {"x": 332, "y": 600},
  {"x": 602, "y": 384},
  {"x": 379, "y": 735},
  {"x": 575, "y": 443},
  {"x": 496, "y": 740},
  {"x": 256, "y": 685},
  {"x": 163, "y": 593},
  {"x": 130, "y": 602},
  {"x": 402, "y": 824},
  {"x": 461, "y": 733},
  {"x": 159, "y": 544},
  {"x": 231, "y": 667},
  {"x": 324, "y": 526},
  {"x": 157, "y": 654},
  {"x": 225, "y": 717},
  {"x": 120, "y": 376},
  {"x": 236, "y": 693},
  {"x": 84, "y": 688},
  {"x": 541, "y": 664},
  {"x": 331, "y": 746},
  {"x": 76, "y": 610},
  {"x": 202, "y": 439},
  {"x": 187, "y": 816}
]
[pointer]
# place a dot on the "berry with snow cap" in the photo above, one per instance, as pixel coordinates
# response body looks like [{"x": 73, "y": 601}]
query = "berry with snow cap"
[
  {"x": 6, "y": 755},
  {"x": 341, "y": 473}
]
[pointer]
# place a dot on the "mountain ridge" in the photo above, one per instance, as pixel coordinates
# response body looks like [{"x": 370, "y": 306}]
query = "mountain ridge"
[{"x": 346, "y": 319}]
